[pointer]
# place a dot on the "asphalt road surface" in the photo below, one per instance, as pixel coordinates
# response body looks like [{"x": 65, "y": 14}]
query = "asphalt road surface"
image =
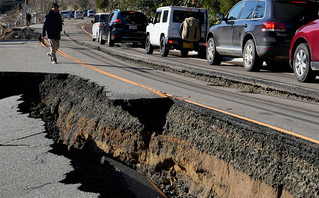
[
  {"x": 290, "y": 115},
  {"x": 128, "y": 80},
  {"x": 295, "y": 116},
  {"x": 31, "y": 167}
]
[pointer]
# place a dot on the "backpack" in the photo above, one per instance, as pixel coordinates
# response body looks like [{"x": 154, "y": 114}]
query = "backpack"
[{"x": 191, "y": 29}]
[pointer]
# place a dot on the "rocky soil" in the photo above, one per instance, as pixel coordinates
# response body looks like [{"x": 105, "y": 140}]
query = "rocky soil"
[
  {"x": 188, "y": 151},
  {"x": 21, "y": 34}
]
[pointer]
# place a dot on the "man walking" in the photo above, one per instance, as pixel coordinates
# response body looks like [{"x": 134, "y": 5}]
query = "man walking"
[
  {"x": 53, "y": 26},
  {"x": 28, "y": 17}
]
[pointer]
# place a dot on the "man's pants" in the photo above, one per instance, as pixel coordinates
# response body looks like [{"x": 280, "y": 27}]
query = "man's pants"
[{"x": 54, "y": 46}]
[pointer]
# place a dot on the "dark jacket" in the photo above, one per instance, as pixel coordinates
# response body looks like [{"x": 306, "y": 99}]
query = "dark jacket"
[
  {"x": 52, "y": 25},
  {"x": 28, "y": 16}
]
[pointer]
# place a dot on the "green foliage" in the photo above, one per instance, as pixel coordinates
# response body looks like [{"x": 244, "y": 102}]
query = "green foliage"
[
  {"x": 102, "y": 4},
  {"x": 218, "y": 6},
  {"x": 149, "y": 6},
  {"x": 84, "y": 4}
]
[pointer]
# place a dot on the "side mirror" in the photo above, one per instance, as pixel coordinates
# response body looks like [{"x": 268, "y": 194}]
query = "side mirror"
[{"x": 220, "y": 17}]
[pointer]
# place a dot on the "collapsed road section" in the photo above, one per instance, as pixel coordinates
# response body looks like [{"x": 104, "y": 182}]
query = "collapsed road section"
[{"x": 187, "y": 150}]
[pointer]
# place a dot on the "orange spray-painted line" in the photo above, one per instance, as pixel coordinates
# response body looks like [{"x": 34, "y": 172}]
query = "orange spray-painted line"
[
  {"x": 108, "y": 74},
  {"x": 205, "y": 106}
]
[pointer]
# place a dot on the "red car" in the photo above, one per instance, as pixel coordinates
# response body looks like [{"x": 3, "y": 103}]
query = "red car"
[{"x": 304, "y": 52}]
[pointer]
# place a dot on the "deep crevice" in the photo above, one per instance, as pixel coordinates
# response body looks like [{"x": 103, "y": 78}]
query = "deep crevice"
[{"x": 169, "y": 130}]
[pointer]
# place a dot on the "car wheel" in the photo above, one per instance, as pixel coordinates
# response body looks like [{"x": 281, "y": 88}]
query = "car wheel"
[
  {"x": 93, "y": 39},
  {"x": 101, "y": 41},
  {"x": 184, "y": 52},
  {"x": 252, "y": 62},
  {"x": 213, "y": 58},
  {"x": 301, "y": 64},
  {"x": 148, "y": 46},
  {"x": 109, "y": 40},
  {"x": 163, "y": 50}
]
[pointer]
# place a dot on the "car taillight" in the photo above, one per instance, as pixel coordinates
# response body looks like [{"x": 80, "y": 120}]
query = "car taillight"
[
  {"x": 118, "y": 21},
  {"x": 299, "y": 2},
  {"x": 273, "y": 27}
]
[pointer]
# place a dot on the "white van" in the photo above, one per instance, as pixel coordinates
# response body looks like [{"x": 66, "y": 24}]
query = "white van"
[
  {"x": 99, "y": 21},
  {"x": 90, "y": 13},
  {"x": 165, "y": 30},
  {"x": 79, "y": 14}
]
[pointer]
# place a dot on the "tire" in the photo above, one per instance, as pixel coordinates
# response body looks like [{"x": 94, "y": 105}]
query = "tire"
[
  {"x": 148, "y": 46},
  {"x": 213, "y": 58},
  {"x": 301, "y": 64},
  {"x": 184, "y": 53},
  {"x": 109, "y": 40},
  {"x": 101, "y": 41},
  {"x": 163, "y": 50},
  {"x": 93, "y": 39},
  {"x": 252, "y": 62}
]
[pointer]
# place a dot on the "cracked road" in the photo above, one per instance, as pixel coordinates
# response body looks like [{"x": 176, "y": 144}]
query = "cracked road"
[
  {"x": 33, "y": 166},
  {"x": 28, "y": 168}
]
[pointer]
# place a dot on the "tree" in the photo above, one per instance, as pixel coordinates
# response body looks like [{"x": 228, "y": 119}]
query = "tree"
[
  {"x": 218, "y": 6},
  {"x": 102, "y": 4},
  {"x": 84, "y": 4}
]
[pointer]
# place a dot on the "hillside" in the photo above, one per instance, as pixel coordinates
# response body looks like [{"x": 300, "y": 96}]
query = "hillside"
[{"x": 44, "y": 5}]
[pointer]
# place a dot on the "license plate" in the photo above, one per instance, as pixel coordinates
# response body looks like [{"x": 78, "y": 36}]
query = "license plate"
[
  {"x": 133, "y": 27},
  {"x": 188, "y": 45}
]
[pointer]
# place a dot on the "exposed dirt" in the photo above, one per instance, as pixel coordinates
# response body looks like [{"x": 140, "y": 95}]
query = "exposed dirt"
[
  {"x": 187, "y": 150},
  {"x": 21, "y": 34}
]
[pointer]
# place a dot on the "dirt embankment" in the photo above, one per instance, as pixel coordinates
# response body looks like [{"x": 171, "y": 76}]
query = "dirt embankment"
[
  {"x": 21, "y": 34},
  {"x": 188, "y": 151}
]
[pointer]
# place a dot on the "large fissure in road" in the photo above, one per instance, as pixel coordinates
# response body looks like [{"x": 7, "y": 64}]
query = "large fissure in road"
[{"x": 185, "y": 149}]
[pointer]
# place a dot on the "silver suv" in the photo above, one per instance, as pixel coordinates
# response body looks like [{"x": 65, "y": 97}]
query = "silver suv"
[{"x": 164, "y": 31}]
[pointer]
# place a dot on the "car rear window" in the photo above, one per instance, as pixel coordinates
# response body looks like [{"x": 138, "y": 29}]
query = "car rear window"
[
  {"x": 299, "y": 10},
  {"x": 179, "y": 16},
  {"x": 132, "y": 17},
  {"x": 103, "y": 18}
]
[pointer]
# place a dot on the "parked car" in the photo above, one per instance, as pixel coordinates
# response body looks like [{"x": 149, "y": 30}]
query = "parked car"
[
  {"x": 124, "y": 26},
  {"x": 166, "y": 30},
  {"x": 72, "y": 13},
  {"x": 66, "y": 14},
  {"x": 304, "y": 52},
  {"x": 79, "y": 14},
  {"x": 90, "y": 13},
  {"x": 98, "y": 22},
  {"x": 258, "y": 31}
]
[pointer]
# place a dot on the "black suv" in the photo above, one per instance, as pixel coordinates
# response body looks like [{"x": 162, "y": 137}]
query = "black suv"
[
  {"x": 258, "y": 31},
  {"x": 125, "y": 26}
]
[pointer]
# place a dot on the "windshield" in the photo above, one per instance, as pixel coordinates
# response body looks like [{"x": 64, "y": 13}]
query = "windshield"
[
  {"x": 179, "y": 16},
  {"x": 132, "y": 17},
  {"x": 103, "y": 18}
]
